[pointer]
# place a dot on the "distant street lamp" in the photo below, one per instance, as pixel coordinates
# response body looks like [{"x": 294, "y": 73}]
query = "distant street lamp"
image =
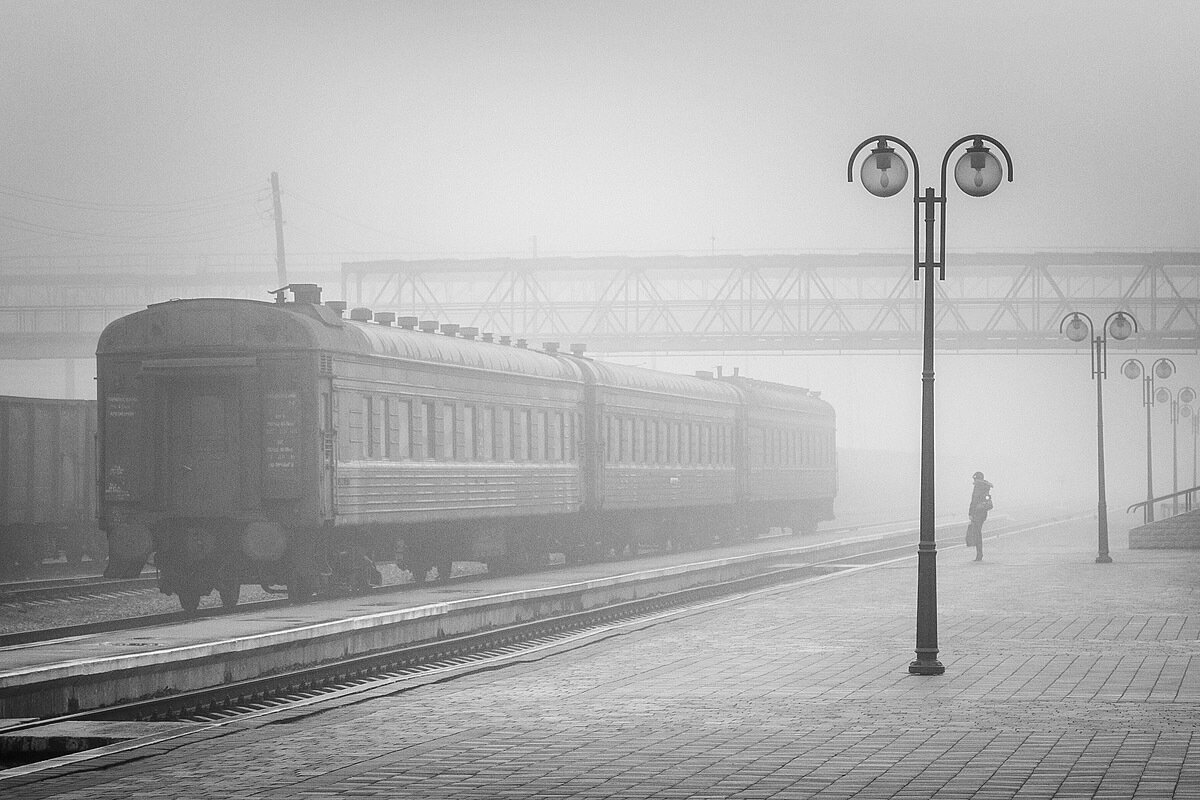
[
  {"x": 884, "y": 173},
  {"x": 1195, "y": 415},
  {"x": 1182, "y": 399},
  {"x": 1078, "y": 326},
  {"x": 1133, "y": 369}
]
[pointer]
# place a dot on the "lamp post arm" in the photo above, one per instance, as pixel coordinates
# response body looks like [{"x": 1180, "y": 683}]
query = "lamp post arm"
[
  {"x": 916, "y": 189},
  {"x": 945, "y": 161},
  {"x": 1063, "y": 323}
]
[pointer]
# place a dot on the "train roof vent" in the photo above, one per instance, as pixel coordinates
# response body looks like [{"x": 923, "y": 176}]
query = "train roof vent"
[
  {"x": 306, "y": 293},
  {"x": 361, "y": 314},
  {"x": 704, "y": 374},
  {"x": 385, "y": 317},
  {"x": 408, "y": 323},
  {"x": 550, "y": 347},
  {"x": 449, "y": 328},
  {"x": 506, "y": 340},
  {"x": 468, "y": 333},
  {"x": 487, "y": 336},
  {"x": 338, "y": 306},
  {"x": 428, "y": 325},
  {"x": 578, "y": 349},
  {"x": 523, "y": 344}
]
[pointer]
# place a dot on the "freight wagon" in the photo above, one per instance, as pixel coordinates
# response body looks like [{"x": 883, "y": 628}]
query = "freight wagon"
[{"x": 47, "y": 482}]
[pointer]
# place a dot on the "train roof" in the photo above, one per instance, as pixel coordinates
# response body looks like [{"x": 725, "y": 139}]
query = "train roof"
[
  {"x": 780, "y": 395},
  {"x": 648, "y": 380},
  {"x": 211, "y": 325}
]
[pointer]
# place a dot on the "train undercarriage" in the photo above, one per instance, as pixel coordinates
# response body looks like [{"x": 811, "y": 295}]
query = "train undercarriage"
[{"x": 197, "y": 556}]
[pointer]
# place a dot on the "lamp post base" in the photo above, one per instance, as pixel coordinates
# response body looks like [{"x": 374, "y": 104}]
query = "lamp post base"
[
  {"x": 1103, "y": 558},
  {"x": 920, "y": 667}
]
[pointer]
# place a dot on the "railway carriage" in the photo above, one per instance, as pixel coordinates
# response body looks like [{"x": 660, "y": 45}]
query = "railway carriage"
[
  {"x": 286, "y": 444},
  {"x": 790, "y": 459},
  {"x": 665, "y": 461},
  {"x": 47, "y": 482}
]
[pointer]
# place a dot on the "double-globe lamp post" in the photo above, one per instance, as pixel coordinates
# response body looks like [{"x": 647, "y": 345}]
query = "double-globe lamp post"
[
  {"x": 1078, "y": 326},
  {"x": 1195, "y": 415},
  {"x": 1179, "y": 403},
  {"x": 1133, "y": 369},
  {"x": 884, "y": 173}
]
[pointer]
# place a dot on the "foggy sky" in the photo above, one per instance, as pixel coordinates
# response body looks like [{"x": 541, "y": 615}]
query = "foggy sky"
[
  {"x": 455, "y": 128},
  {"x": 464, "y": 127}
]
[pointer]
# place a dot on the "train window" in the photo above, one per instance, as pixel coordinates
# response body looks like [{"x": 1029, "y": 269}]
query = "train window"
[
  {"x": 484, "y": 433},
  {"x": 613, "y": 437},
  {"x": 372, "y": 420},
  {"x": 538, "y": 437},
  {"x": 504, "y": 434},
  {"x": 651, "y": 443},
  {"x": 398, "y": 424},
  {"x": 521, "y": 431},
  {"x": 468, "y": 433},
  {"x": 431, "y": 431},
  {"x": 449, "y": 431},
  {"x": 355, "y": 414},
  {"x": 639, "y": 440},
  {"x": 673, "y": 443},
  {"x": 556, "y": 436},
  {"x": 568, "y": 437}
]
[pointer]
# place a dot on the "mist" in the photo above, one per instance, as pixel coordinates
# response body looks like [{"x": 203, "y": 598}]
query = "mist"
[{"x": 146, "y": 131}]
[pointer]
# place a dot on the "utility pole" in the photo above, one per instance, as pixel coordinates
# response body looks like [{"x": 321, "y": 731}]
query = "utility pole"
[{"x": 280, "y": 263}]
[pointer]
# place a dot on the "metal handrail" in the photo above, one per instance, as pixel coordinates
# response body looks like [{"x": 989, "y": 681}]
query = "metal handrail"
[{"x": 1188, "y": 497}]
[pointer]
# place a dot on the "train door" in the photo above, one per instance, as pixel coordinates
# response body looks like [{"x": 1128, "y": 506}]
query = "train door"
[{"x": 202, "y": 463}]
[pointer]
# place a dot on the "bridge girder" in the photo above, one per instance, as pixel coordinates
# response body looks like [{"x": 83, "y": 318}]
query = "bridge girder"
[{"x": 816, "y": 302}]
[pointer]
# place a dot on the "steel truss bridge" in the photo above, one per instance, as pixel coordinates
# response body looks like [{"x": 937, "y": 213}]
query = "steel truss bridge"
[
  {"x": 811, "y": 302},
  {"x": 831, "y": 302}
]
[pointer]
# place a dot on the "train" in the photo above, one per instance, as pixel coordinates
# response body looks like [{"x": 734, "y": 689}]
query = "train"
[
  {"x": 48, "y": 504},
  {"x": 297, "y": 445}
]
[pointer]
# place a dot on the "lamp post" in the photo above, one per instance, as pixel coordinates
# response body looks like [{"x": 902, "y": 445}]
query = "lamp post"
[
  {"x": 1133, "y": 369},
  {"x": 1183, "y": 398},
  {"x": 884, "y": 173},
  {"x": 1195, "y": 415},
  {"x": 1119, "y": 325}
]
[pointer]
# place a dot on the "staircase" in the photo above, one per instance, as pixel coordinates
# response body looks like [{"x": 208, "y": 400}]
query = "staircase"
[{"x": 1180, "y": 532}]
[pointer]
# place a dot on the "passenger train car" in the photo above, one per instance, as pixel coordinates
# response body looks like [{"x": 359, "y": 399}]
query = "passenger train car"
[{"x": 285, "y": 444}]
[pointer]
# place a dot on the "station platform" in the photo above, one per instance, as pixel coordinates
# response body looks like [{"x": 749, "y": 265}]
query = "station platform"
[{"x": 1064, "y": 679}]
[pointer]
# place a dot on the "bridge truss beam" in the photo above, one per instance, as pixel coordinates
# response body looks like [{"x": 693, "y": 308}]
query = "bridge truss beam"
[{"x": 813, "y": 302}]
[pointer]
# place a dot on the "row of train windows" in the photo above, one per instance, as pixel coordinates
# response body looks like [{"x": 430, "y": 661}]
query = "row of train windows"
[
  {"x": 379, "y": 427},
  {"x": 633, "y": 440},
  {"x": 637, "y": 440},
  {"x": 382, "y": 427},
  {"x": 779, "y": 447}
]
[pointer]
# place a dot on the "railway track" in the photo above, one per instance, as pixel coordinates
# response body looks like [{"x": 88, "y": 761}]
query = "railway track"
[
  {"x": 361, "y": 678},
  {"x": 24, "y": 595}
]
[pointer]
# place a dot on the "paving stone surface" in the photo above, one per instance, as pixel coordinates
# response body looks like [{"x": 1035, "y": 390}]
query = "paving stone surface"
[{"x": 1064, "y": 679}]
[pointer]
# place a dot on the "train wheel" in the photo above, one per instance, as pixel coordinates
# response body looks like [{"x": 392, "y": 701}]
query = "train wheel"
[
  {"x": 189, "y": 599},
  {"x": 300, "y": 588},
  {"x": 229, "y": 594}
]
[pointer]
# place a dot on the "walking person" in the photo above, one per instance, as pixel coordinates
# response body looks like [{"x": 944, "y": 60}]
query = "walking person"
[{"x": 981, "y": 504}]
